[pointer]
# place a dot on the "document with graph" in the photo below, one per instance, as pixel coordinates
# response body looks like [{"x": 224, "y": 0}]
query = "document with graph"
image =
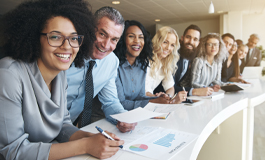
[{"x": 167, "y": 141}]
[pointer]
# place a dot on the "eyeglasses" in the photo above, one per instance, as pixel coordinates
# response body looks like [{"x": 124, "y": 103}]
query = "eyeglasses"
[
  {"x": 57, "y": 40},
  {"x": 212, "y": 44}
]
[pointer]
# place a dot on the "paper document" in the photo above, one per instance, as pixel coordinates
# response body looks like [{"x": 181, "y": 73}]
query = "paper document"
[
  {"x": 161, "y": 143},
  {"x": 129, "y": 137},
  {"x": 162, "y": 108},
  {"x": 214, "y": 96},
  {"x": 136, "y": 115}
]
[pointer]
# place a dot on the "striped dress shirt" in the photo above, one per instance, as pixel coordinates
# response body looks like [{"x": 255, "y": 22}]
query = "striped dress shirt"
[{"x": 203, "y": 74}]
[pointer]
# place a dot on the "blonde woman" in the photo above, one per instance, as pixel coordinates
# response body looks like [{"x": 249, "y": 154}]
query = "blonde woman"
[
  {"x": 206, "y": 67},
  {"x": 163, "y": 66},
  {"x": 242, "y": 53}
]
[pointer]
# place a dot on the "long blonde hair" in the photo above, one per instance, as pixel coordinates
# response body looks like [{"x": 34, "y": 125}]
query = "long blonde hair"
[{"x": 169, "y": 64}]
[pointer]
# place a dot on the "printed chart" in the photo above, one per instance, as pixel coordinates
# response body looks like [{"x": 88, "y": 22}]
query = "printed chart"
[
  {"x": 138, "y": 147},
  {"x": 166, "y": 140}
]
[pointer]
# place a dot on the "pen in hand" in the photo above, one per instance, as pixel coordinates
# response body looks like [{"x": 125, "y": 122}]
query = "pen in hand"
[
  {"x": 173, "y": 96},
  {"x": 176, "y": 94},
  {"x": 107, "y": 136}
]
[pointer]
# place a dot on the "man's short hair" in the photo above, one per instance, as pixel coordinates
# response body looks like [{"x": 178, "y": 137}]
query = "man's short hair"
[
  {"x": 228, "y": 35},
  {"x": 111, "y": 13},
  {"x": 194, "y": 27},
  {"x": 254, "y": 36}
]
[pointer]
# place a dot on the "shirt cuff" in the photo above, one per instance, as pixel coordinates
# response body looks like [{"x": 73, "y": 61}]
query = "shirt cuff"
[{"x": 190, "y": 92}]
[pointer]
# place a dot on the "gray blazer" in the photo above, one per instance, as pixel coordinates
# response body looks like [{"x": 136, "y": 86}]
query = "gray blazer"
[
  {"x": 30, "y": 116},
  {"x": 255, "y": 58}
]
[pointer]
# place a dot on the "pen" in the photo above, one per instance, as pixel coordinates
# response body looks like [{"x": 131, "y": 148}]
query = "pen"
[
  {"x": 106, "y": 135},
  {"x": 173, "y": 96}
]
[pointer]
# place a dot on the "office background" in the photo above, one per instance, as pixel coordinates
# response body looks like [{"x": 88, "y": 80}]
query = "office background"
[{"x": 239, "y": 17}]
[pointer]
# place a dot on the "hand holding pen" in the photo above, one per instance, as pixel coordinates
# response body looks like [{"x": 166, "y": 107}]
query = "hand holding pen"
[
  {"x": 107, "y": 135},
  {"x": 179, "y": 97}
]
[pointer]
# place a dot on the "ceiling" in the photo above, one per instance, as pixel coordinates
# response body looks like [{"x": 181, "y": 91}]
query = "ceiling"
[{"x": 168, "y": 11}]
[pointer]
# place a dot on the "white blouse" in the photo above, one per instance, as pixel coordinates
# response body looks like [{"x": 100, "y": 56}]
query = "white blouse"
[{"x": 152, "y": 82}]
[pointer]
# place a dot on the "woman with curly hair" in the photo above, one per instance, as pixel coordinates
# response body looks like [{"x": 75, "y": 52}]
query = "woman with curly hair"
[
  {"x": 207, "y": 66},
  {"x": 43, "y": 38},
  {"x": 134, "y": 50},
  {"x": 163, "y": 66}
]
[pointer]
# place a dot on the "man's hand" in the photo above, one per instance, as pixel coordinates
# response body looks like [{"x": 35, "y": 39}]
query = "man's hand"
[
  {"x": 202, "y": 91},
  {"x": 161, "y": 100},
  {"x": 160, "y": 94},
  {"x": 125, "y": 127}
]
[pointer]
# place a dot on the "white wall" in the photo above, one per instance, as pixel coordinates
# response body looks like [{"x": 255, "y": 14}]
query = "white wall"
[
  {"x": 207, "y": 26},
  {"x": 254, "y": 23}
]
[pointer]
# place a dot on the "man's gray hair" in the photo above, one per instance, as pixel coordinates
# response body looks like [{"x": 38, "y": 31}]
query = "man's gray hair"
[
  {"x": 110, "y": 13},
  {"x": 256, "y": 36}
]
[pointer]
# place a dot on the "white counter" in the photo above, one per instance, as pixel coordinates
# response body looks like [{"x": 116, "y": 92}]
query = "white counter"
[{"x": 224, "y": 126}]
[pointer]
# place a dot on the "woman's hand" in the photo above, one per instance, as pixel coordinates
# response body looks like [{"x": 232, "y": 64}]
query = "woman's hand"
[
  {"x": 101, "y": 147},
  {"x": 180, "y": 97},
  {"x": 216, "y": 88}
]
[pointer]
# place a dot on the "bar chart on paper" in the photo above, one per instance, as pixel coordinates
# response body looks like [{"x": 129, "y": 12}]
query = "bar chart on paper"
[{"x": 166, "y": 140}]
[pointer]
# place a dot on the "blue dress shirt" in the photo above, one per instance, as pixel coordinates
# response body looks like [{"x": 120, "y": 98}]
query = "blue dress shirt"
[
  {"x": 104, "y": 76},
  {"x": 130, "y": 84}
]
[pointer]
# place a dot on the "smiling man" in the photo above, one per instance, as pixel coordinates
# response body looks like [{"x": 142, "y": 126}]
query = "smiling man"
[
  {"x": 188, "y": 44},
  {"x": 98, "y": 76},
  {"x": 253, "y": 57}
]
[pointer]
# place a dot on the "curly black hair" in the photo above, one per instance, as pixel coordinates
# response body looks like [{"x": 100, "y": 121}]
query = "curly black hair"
[
  {"x": 23, "y": 25},
  {"x": 147, "y": 52}
]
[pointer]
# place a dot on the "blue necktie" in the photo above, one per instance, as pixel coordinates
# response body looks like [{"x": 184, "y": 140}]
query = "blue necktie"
[{"x": 89, "y": 92}]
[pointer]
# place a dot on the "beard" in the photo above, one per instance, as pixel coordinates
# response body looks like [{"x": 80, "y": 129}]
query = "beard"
[{"x": 186, "y": 53}]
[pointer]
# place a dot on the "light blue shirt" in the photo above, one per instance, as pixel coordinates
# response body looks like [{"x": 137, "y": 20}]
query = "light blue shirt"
[
  {"x": 104, "y": 75},
  {"x": 185, "y": 67},
  {"x": 130, "y": 84}
]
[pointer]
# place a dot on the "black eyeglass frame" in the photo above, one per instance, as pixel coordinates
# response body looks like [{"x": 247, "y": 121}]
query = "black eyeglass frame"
[{"x": 65, "y": 38}]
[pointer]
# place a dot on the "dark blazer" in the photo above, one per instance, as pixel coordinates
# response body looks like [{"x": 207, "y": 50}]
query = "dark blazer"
[
  {"x": 254, "y": 59},
  {"x": 177, "y": 78}
]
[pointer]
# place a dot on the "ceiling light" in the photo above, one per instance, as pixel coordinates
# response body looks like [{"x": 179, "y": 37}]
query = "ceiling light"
[
  {"x": 211, "y": 8},
  {"x": 115, "y": 2},
  {"x": 157, "y": 20}
]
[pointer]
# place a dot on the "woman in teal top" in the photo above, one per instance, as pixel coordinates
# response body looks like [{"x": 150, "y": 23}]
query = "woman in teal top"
[{"x": 42, "y": 39}]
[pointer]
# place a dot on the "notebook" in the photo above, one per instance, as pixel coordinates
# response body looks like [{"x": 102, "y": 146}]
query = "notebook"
[
  {"x": 231, "y": 88},
  {"x": 214, "y": 96}
]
